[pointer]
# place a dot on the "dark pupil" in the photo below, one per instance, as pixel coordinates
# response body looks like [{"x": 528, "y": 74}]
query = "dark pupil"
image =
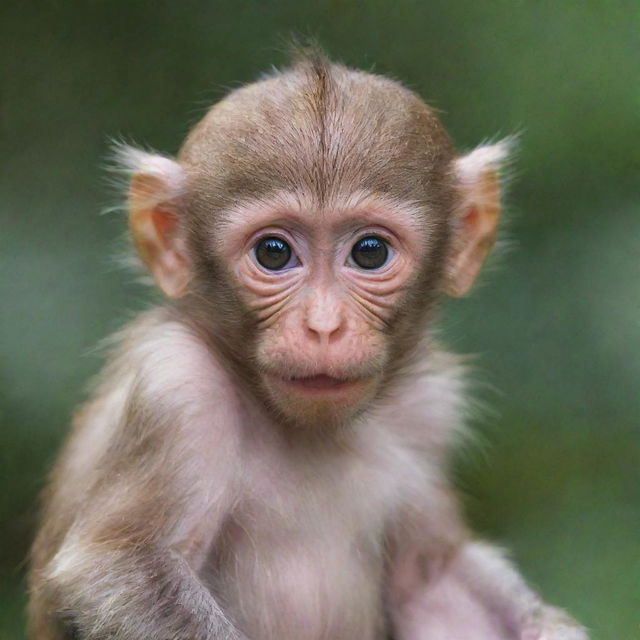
[
  {"x": 370, "y": 252},
  {"x": 273, "y": 253}
]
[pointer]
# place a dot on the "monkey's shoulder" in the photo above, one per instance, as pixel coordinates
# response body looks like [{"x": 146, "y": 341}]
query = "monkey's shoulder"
[
  {"x": 160, "y": 355},
  {"x": 159, "y": 376}
]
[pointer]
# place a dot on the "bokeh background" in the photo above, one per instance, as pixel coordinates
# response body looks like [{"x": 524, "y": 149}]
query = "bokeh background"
[{"x": 554, "y": 475}]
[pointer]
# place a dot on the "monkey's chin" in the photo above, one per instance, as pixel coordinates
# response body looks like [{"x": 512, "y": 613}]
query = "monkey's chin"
[{"x": 319, "y": 401}]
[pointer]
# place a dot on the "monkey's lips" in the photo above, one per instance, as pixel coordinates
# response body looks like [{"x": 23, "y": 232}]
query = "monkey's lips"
[{"x": 322, "y": 384}]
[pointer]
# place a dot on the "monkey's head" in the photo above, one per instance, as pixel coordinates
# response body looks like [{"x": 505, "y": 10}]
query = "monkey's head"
[{"x": 310, "y": 223}]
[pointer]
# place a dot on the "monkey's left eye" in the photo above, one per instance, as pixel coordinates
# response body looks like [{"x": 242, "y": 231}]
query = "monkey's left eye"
[
  {"x": 370, "y": 252},
  {"x": 274, "y": 253}
]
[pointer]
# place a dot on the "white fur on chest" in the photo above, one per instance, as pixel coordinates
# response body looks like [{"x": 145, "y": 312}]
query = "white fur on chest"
[{"x": 303, "y": 555}]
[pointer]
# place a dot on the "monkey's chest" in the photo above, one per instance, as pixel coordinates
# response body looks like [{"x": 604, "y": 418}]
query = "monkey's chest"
[
  {"x": 279, "y": 582},
  {"x": 303, "y": 561}
]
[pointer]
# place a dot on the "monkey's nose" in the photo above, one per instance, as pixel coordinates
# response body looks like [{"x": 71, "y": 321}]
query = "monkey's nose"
[
  {"x": 326, "y": 332},
  {"x": 324, "y": 319},
  {"x": 325, "y": 328}
]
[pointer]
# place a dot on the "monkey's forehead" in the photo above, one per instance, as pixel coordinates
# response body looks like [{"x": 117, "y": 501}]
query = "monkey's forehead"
[
  {"x": 344, "y": 212},
  {"x": 330, "y": 132}
]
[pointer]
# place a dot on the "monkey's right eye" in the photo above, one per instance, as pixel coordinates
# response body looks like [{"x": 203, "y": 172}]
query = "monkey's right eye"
[{"x": 274, "y": 253}]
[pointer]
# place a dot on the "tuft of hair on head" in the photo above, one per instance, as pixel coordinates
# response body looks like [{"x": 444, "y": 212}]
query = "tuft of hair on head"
[
  {"x": 307, "y": 55},
  {"x": 307, "y": 51}
]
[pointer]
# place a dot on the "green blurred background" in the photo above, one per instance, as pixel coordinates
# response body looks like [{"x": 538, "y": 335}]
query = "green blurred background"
[{"x": 555, "y": 476}]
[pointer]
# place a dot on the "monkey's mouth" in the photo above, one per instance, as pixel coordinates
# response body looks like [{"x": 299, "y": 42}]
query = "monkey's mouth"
[
  {"x": 321, "y": 384},
  {"x": 320, "y": 381}
]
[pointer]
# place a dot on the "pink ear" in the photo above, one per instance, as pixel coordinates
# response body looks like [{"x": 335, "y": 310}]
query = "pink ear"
[
  {"x": 477, "y": 220},
  {"x": 154, "y": 216}
]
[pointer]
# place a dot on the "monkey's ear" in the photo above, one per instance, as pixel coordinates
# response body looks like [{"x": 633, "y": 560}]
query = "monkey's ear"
[
  {"x": 155, "y": 190},
  {"x": 476, "y": 224}
]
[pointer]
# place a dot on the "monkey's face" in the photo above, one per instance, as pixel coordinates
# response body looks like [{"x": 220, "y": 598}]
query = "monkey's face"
[
  {"x": 324, "y": 287},
  {"x": 274, "y": 223}
]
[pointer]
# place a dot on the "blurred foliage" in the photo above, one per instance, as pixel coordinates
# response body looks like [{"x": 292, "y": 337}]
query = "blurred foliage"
[{"x": 555, "y": 475}]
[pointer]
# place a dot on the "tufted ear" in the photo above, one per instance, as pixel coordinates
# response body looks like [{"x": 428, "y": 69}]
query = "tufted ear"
[
  {"x": 155, "y": 190},
  {"x": 476, "y": 225}
]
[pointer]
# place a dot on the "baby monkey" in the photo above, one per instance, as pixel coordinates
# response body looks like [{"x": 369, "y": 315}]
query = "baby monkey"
[{"x": 265, "y": 455}]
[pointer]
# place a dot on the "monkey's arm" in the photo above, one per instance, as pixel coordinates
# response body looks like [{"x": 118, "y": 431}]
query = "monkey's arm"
[
  {"x": 157, "y": 484},
  {"x": 132, "y": 593},
  {"x": 473, "y": 593},
  {"x": 127, "y": 567}
]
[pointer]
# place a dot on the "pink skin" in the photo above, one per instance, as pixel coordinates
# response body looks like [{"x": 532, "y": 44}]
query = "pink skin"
[{"x": 321, "y": 318}]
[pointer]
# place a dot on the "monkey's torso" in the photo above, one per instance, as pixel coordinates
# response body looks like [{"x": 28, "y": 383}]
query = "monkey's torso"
[
  {"x": 301, "y": 545},
  {"x": 280, "y": 552},
  {"x": 308, "y": 537}
]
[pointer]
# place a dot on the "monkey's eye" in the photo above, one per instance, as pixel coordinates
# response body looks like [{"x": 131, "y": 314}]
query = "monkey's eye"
[
  {"x": 274, "y": 253},
  {"x": 370, "y": 252}
]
